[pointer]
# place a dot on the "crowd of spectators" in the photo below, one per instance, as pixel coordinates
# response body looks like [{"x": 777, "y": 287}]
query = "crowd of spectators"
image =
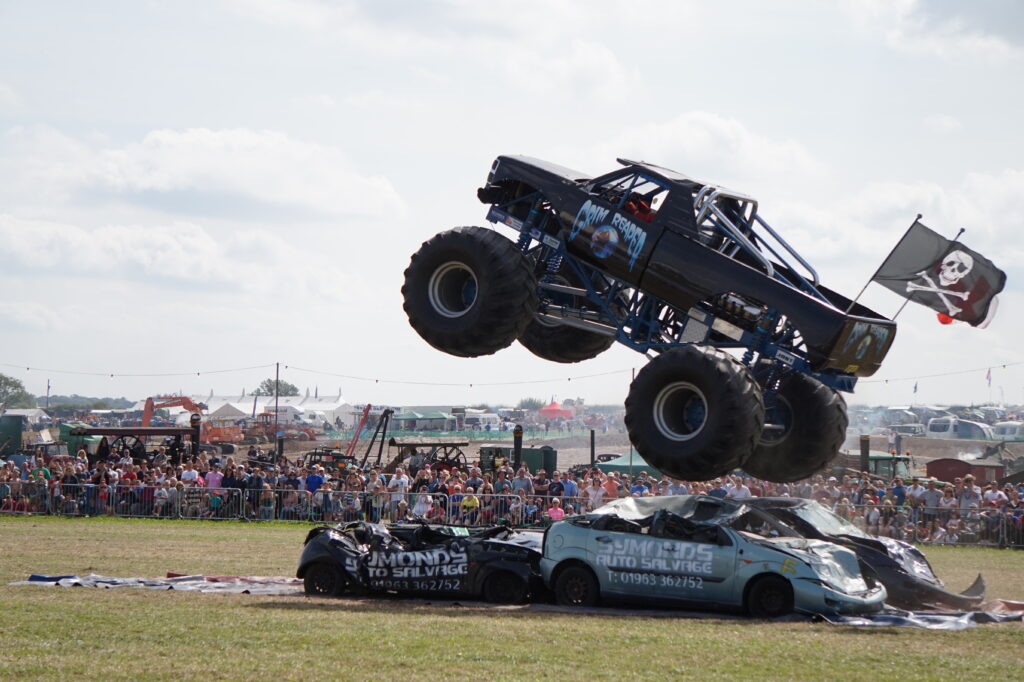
[{"x": 264, "y": 488}]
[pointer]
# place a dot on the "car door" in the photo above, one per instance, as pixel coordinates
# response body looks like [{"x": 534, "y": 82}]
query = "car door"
[
  {"x": 697, "y": 567},
  {"x": 623, "y": 562}
]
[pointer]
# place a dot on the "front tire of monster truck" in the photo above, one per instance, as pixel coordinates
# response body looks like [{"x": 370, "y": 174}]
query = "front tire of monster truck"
[
  {"x": 469, "y": 291},
  {"x": 806, "y": 427},
  {"x": 559, "y": 342},
  {"x": 694, "y": 413}
]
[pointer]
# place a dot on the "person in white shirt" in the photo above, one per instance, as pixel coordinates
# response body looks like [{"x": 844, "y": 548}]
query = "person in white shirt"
[
  {"x": 189, "y": 474},
  {"x": 397, "y": 486},
  {"x": 994, "y": 494},
  {"x": 737, "y": 490}
]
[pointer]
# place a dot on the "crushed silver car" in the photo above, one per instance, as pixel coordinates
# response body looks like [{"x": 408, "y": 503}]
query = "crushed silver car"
[{"x": 685, "y": 551}]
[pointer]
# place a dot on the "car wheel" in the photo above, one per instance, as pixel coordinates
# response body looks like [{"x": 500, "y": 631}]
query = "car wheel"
[
  {"x": 577, "y": 586},
  {"x": 770, "y": 597},
  {"x": 694, "y": 413},
  {"x": 323, "y": 579},
  {"x": 808, "y": 421},
  {"x": 503, "y": 587},
  {"x": 469, "y": 291}
]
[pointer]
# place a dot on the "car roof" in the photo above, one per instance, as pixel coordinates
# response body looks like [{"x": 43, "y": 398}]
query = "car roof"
[{"x": 697, "y": 508}]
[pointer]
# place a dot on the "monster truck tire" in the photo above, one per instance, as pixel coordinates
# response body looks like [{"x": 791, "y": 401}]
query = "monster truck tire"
[
  {"x": 559, "y": 342},
  {"x": 815, "y": 423},
  {"x": 469, "y": 292},
  {"x": 694, "y": 413}
]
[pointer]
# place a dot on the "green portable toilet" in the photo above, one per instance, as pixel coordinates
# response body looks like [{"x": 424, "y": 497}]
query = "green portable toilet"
[{"x": 10, "y": 434}]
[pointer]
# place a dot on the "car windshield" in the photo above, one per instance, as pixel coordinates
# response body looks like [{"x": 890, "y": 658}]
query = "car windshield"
[{"x": 825, "y": 521}]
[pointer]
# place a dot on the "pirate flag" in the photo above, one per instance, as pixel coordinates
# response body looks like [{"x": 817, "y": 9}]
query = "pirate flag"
[{"x": 944, "y": 275}]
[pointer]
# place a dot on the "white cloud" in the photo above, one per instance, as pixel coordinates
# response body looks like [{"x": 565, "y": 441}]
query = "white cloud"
[
  {"x": 942, "y": 123},
  {"x": 10, "y": 101},
  {"x": 235, "y": 169},
  {"x": 31, "y": 317},
  {"x": 575, "y": 65},
  {"x": 716, "y": 149},
  {"x": 907, "y": 26},
  {"x": 253, "y": 262},
  {"x": 264, "y": 165}
]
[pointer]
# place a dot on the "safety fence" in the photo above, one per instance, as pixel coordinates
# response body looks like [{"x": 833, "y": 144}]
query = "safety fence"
[{"x": 999, "y": 525}]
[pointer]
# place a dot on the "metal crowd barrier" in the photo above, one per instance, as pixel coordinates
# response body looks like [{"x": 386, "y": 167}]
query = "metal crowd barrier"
[
  {"x": 988, "y": 526},
  {"x": 985, "y": 525},
  {"x": 506, "y": 508}
]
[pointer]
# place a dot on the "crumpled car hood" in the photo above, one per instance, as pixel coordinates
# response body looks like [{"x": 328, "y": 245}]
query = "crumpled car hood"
[{"x": 835, "y": 565}]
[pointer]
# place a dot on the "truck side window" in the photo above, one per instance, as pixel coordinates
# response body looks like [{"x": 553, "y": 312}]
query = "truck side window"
[{"x": 633, "y": 194}]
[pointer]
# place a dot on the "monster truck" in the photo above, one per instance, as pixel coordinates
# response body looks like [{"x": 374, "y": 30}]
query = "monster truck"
[{"x": 679, "y": 270}]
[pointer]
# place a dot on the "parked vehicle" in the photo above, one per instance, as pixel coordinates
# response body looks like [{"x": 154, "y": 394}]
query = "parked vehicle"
[
  {"x": 909, "y": 429},
  {"x": 954, "y": 427},
  {"x": 1008, "y": 431},
  {"x": 686, "y": 550}
]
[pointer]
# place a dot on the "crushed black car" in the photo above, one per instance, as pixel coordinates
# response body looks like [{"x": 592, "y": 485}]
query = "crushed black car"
[
  {"x": 496, "y": 564},
  {"x": 909, "y": 579}
]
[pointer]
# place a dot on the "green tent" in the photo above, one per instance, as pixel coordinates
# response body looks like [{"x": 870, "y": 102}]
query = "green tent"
[{"x": 623, "y": 465}]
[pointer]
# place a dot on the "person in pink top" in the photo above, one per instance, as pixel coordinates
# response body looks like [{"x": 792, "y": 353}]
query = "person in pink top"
[
  {"x": 555, "y": 511},
  {"x": 214, "y": 478}
]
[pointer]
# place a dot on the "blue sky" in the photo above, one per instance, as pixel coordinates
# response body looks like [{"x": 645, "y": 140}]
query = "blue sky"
[{"x": 196, "y": 186}]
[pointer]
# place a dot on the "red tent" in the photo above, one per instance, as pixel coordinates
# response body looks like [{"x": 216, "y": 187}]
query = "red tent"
[{"x": 555, "y": 411}]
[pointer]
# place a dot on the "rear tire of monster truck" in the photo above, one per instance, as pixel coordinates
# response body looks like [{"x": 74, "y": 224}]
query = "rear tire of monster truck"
[
  {"x": 694, "y": 413},
  {"x": 469, "y": 292},
  {"x": 814, "y": 421},
  {"x": 560, "y": 342}
]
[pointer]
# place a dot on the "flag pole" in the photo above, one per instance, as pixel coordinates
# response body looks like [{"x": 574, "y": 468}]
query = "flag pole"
[{"x": 879, "y": 269}]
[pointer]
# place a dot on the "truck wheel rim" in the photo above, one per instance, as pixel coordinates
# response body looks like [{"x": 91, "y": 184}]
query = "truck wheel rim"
[
  {"x": 452, "y": 289},
  {"x": 779, "y": 414},
  {"x": 558, "y": 299},
  {"x": 680, "y": 411}
]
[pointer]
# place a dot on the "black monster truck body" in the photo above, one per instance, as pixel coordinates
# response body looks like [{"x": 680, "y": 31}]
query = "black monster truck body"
[{"x": 673, "y": 268}]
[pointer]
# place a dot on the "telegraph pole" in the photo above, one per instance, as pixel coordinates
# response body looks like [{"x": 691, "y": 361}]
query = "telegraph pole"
[
  {"x": 278, "y": 441},
  {"x": 277, "y": 389}
]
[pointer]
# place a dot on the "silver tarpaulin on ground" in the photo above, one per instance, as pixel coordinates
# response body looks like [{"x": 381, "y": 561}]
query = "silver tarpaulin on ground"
[{"x": 187, "y": 583}]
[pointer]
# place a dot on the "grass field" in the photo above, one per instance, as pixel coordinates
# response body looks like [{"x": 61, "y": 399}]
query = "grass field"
[{"x": 57, "y": 633}]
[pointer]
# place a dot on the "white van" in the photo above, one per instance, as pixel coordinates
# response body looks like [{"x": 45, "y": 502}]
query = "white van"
[
  {"x": 480, "y": 421},
  {"x": 954, "y": 427},
  {"x": 1008, "y": 431},
  {"x": 909, "y": 429}
]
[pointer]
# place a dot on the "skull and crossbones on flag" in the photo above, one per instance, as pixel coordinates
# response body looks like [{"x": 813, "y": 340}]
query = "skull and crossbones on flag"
[{"x": 944, "y": 275}]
